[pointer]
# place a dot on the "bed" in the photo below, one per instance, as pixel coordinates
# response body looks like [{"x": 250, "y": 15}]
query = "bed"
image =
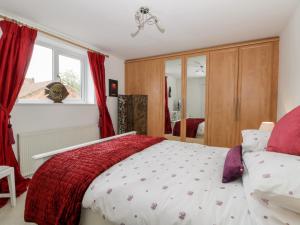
[
  {"x": 166, "y": 183},
  {"x": 194, "y": 127}
]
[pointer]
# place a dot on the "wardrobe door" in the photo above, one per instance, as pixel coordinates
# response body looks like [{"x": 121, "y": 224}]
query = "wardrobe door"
[
  {"x": 173, "y": 92},
  {"x": 257, "y": 84},
  {"x": 147, "y": 78},
  {"x": 196, "y": 67},
  {"x": 222, "y": 100}
]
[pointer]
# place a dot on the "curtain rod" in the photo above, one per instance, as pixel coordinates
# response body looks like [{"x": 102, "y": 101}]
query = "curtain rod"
[{"x": 51, "y": 35}]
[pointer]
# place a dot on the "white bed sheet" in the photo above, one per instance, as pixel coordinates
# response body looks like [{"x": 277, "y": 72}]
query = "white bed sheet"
[
  {"x": 269, "y": 207},
  {"x": 169, "y": 183}
]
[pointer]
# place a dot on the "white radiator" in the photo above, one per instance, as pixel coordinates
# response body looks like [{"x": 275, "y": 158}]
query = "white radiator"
[{"x": 33, "y": 143}]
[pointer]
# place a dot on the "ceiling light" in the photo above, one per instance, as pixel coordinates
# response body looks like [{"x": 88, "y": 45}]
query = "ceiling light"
[{"x": 143, "y": 17}]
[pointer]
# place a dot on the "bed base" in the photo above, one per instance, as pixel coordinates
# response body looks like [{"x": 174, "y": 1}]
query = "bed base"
[
  {"x": 88, "y": 217},
  {"x": 40, "y": 159}
]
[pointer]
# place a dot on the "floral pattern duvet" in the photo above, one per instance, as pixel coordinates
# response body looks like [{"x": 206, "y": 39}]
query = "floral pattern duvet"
[{"x": 169, "y": 183}]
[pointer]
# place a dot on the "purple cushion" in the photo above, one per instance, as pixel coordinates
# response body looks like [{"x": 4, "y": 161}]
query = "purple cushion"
[{"x": 233, "y": 167}]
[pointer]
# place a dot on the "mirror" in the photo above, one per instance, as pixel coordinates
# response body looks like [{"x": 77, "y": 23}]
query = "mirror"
[
  {"x": 195, "y": 99},
  {"x": 173, "y": 101}
]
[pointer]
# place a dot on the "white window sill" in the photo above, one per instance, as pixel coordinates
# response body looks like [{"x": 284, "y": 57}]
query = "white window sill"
[{"x": 56, "y": 104}]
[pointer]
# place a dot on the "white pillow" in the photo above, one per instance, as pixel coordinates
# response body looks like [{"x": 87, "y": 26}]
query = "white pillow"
[
  {"x": 274, "y": 178},
  {"x": 255, "y": 140},
  {"x": 201, "y": 129}
]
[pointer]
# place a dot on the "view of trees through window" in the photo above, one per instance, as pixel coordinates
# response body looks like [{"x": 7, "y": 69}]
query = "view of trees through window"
[
  {"x": 71, "y": 79},
  {"x": 69, "y": 73},
  {"x": 40, "y": 73}
]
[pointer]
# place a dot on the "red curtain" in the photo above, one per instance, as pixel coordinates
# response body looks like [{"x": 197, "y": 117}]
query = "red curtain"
[
  {"x": 98, "y": 73},
  {"x": 168, "y": 127},
  {"x": 16, "y": 46}
]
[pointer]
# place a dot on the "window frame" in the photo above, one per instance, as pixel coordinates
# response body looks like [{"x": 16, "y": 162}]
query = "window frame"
[{"x": 67, "y": 52}]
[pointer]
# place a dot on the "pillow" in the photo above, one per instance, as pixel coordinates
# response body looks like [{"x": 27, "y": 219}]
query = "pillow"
[
  {"x": 255, "y": 140},
  {"x": 201, "y": 129},
  {"x": 274, "y": 178},
  {"x": 233, "y": 166},
  {"x": 285, "y": 136}
]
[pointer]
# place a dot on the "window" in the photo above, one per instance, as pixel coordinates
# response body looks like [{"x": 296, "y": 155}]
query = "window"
[{"x": 48, "y": 64}]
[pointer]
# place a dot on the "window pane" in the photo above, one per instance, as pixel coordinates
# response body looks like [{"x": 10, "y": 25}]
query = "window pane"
[
  {"x": 70, "y": 74},
  {"x": 39, "y": 74}
]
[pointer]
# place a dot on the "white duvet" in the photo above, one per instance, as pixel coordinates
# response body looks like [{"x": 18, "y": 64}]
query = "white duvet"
[{"x": 167, "y": 184}]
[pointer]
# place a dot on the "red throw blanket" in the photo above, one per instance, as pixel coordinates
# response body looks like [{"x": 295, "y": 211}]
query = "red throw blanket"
[
  {"x": 56, "y": 190},
  {"x": 191, "y": 127}
]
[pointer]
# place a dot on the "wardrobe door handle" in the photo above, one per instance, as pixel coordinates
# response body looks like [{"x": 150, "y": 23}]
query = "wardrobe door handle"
[
  {"x": 237, "y": 113},
  {"x": 236, "y": 108}
]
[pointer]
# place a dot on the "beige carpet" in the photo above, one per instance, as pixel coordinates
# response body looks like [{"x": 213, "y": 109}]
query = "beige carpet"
[{"x": 13, "y": 216}]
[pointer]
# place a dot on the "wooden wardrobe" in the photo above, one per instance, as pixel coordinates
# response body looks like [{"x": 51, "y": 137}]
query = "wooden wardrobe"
[
  {"x": 146, "y": 77},
  {"x": 241, "y": 88}
]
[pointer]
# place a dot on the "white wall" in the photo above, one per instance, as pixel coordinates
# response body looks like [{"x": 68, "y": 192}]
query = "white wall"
[
  {"x": 289, "y": 67},
  {"x": 115, "y": 69},
  {"x": 172, "y": 82},
  {"x": 196, "y": 97}
]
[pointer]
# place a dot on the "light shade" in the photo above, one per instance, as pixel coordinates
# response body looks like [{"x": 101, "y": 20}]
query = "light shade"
[{"x": 267, "y": 126}]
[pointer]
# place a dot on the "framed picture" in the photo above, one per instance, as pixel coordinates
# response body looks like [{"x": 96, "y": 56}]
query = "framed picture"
[{"x": 113, "y": 88}]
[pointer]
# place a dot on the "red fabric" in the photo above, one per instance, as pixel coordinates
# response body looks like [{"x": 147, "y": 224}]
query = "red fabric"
[
  {"x": 285, "y": 137},
  {"x": 16, "y": 46},
  {"x": 191, "y": 127},
  {"x": 98, "y": 73},
  {"x": 168, "y": 127},
  {"x": 56, "y": 191}
]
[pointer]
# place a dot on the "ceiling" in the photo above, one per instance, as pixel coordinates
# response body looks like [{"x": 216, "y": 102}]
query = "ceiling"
[
  {"x": 196, "y": 67},
  {"x": 189, "y": 24}
]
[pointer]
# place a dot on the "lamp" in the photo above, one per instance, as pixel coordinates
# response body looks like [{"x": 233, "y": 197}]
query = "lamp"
[
  {"x": 267, "y": 126},
  {"x": 144, "y": 17}
]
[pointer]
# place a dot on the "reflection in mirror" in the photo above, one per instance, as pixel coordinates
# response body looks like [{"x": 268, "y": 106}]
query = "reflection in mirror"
[
  {"x": 195, "y": 105},
  {"x": 173, "y": 105}
]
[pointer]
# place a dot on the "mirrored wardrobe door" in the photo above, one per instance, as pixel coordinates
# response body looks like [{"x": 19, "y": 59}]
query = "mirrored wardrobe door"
[
  {"x": 173, "y": 98},
  {"x": 195, "y": 98}
]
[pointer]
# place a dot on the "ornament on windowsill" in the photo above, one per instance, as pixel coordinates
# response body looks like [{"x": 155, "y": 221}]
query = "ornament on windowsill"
[{"x": 56, "y": 91}]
